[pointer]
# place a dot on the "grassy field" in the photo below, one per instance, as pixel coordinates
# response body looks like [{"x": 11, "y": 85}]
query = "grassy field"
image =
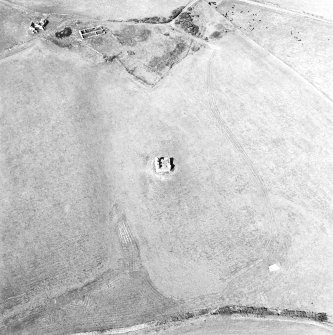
[
  {"x": 15, "y": 32},
  {"x": 93, "y": 239},
  {"x": 245, "y": 147},
  {"x": 242, "y": 327},
  {"x": 321, "y": 8},
  {"x": 57, "y": 201},
  {"x": 105, "y": 9},
  {"x": 303, "y": 43}
]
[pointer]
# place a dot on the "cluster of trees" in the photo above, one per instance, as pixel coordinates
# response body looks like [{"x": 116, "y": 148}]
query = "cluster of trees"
[
  {"x": 64, "y": 33},
  {"x": 249, "y": 310},
  {"x": 185, "y": 21},
  {"x": 160, "y": 19}
]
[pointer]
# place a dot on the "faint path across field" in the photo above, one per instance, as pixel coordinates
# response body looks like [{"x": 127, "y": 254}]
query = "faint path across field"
[
  {"x": 279, "y": 63},
  {"x": 226, "y": 131},
  {"x": 15, "y": 6},
  {"x": 232, "y": 138},
  {"x": 16, "y": 49},
  {"x": 29, "y": 10},
  {"x": 284, "y": 10}
]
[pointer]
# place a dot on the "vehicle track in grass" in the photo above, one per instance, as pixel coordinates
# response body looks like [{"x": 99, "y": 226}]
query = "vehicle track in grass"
[
  {"x": 236, "y": 144},
  {"x": 279, "y": 9},
  {"x": 278, "y": 62},
  {"x": 258, "y": 180}
]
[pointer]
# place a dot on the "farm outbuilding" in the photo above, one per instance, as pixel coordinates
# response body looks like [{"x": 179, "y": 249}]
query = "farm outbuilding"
[{"x": 91, "y": 32}]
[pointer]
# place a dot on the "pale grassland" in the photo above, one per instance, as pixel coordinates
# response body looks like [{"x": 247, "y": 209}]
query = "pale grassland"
[
  {"x": 243, "y": 326},
  {"x": 322, "y": 8},
  {"x": 105, "y": 9},
  {"x": 92, "y": 239},
  {"x": 304, "y": 44}
]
